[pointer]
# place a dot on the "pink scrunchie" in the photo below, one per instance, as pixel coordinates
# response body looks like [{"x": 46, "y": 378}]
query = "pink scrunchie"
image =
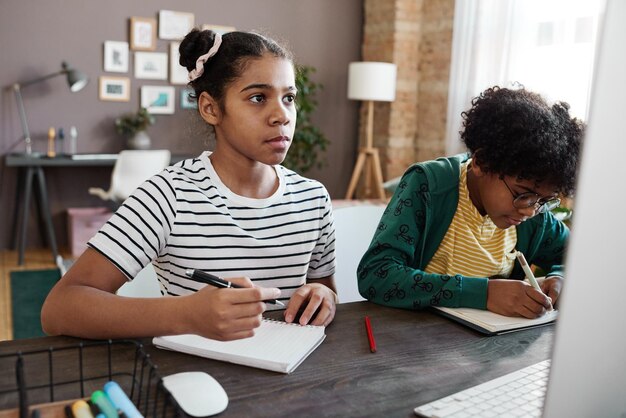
[{"x": 199, "y": 70}]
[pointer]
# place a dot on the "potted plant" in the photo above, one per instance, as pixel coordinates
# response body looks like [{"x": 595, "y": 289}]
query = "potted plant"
[
  {"x": 308, "y": 140},
  {"x": 133, "y": 126}
]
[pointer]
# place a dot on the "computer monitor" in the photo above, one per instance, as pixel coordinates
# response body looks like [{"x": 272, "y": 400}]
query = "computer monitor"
[{"x": 588, "y": 373}]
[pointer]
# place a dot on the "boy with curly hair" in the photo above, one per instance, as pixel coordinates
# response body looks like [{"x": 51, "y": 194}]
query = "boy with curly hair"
[{"x": 450, "y": 232}]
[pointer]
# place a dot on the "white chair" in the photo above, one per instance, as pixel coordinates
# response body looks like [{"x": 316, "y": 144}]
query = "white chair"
[
  {"x": 354, "y": 229},
  {"x": 144, "y": 285},
  {"x": 132, "y": 168}
]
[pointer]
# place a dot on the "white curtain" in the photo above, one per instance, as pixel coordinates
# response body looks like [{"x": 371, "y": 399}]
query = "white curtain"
[{"x": 546, "y": 45}]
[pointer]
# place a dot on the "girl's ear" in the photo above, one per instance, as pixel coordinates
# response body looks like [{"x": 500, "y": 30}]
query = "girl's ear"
[{"x": 209, "y": 109}]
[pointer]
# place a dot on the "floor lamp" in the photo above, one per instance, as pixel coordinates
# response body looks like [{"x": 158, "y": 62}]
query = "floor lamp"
[
  {"x": 76, "y": 80},
  {"x": 370, "y": 81}
]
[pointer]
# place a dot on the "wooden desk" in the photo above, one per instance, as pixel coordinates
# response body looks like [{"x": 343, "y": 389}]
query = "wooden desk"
[
  {"x": 31, "y": 171},
  {"x": 421, "y": 357}
]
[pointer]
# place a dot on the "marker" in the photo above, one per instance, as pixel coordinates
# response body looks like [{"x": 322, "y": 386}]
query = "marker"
[
  {"x": 529, "y": 273},
  {"x": 120, "y": 400},
  {"x": 209, "y": 278},
  {"x": 104, "y": 403},
  {"x": 370, "y": 334},
  {"x": 80, "y": 409},
  {"x": 68, "y": 411}
]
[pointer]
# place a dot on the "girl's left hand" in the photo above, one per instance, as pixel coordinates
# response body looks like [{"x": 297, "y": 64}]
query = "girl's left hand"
[
  {"x": 317, "y": 298},
  {"x": 551, "y": 286}
]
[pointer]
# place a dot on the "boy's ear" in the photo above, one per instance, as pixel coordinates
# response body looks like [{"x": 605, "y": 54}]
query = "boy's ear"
[
  {"x": 475, "y": 167},
  {"x": 209, "y": 109}
]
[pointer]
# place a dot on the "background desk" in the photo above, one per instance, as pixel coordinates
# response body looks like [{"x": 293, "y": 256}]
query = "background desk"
[
  {"x": 31, "y": 171},
  {"x": 421, "y": 357}
]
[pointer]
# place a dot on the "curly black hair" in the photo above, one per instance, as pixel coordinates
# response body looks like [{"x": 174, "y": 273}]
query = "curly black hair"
[{"x": 514, "y": 132}]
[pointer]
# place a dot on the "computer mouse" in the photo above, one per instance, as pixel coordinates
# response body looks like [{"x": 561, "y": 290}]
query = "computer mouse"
[{"x": 197, "y": 393}]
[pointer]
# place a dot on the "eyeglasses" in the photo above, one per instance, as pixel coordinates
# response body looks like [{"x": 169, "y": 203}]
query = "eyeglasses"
[{"x": 530, "y": 199}]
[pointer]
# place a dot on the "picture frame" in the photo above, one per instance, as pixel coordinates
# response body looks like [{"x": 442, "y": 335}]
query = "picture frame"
[
  {"x": 143, "y": 33},
  {"x": 178, "y": 73},
  {"x": 115, "y": 89},
  {"x": 151, "y": 65},
  {"x": 185, "y": 101},
  {"x": 175, "y": 25},
  {"x": 159, "y": 100},
  {"x": 116, "y": 56},
  {"x": 221, "y": 29}
]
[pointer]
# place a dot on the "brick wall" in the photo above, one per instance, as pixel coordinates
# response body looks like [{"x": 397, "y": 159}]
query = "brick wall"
[{"x": 416, "y": 35}]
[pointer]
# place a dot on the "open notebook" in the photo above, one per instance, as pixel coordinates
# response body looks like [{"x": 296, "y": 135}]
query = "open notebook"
[
  {"x": 276, "y": 346},
  {"x": 491, "y": 323}
]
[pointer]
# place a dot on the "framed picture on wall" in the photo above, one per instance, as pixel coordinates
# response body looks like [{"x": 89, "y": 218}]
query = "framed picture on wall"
[
  {"x": 116, "y": 89},
  {"x": 219, "y": 28},
  {"x": 186, "y": 102},
  {"x": 142, "y": 33},
  {"x": 174, "y": 25},
  {"x": 158, "y": 99},
  {"x": 178, "y": 73},
  {"x": 116, "y": 56},
  {"x": 151, "y": 65}
]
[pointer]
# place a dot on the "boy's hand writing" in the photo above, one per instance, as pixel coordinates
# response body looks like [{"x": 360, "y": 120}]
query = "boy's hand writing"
[
  {"x": 516, "y": 298},
  {"x": 551, "y": 286},
  {"x": 228, "y": 314},
  {"x": 317, "y": 298}
]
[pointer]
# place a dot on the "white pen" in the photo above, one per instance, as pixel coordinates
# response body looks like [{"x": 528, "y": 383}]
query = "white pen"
[{"x": 529, "y": 273}]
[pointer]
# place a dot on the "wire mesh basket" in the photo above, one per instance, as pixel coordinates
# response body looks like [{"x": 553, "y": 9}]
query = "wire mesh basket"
[{"x": 47, "y": 380}]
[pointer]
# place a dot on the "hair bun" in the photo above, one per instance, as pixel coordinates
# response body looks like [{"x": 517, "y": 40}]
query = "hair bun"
[{"x": 196, "y": 43}]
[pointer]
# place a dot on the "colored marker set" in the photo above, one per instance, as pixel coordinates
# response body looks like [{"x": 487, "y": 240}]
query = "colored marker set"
[{"x": 111, "y": 402}]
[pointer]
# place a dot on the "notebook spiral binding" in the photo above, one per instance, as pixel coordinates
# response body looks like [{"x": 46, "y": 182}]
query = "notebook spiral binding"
[
  {"x": 295, "y": 324},
  {"x": 39, "y": 380}
]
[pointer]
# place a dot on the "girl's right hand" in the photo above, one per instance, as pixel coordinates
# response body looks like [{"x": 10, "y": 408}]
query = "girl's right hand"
[
  {"x": 227, "y": 314},
  {"x": 516, "y": 298}
]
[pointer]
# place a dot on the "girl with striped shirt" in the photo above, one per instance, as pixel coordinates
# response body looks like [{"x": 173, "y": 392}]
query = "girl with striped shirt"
[{"x": 234, "y": 213}]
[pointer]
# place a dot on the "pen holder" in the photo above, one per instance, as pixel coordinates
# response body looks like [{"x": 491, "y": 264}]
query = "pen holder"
[{"x": 50, "y": 379}]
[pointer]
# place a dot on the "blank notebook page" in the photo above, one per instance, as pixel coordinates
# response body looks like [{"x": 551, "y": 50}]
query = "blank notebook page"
[
  {"x": 494, "y": 322},
  {"x": 276, "y": 346}
]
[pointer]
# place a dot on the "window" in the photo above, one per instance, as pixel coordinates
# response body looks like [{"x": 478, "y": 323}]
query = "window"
[{"x": 546, "y": 45}]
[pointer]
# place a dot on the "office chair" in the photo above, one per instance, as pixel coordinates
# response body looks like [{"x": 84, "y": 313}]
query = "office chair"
[
  {"x": 354, "y": 229},
  {"x": 144, "y": 285},
  {"x": 132, "y": 168}
]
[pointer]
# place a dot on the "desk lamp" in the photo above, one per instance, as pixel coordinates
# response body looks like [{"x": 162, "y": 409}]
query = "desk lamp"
[
  {"x": 370, "y": 81},
  {"x": 76, "y": 80}
]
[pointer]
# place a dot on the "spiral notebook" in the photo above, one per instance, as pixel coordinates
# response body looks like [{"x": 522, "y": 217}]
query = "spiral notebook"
[
  {"x": 491, "y": 323},
  {"x": 277, "y": 346}
]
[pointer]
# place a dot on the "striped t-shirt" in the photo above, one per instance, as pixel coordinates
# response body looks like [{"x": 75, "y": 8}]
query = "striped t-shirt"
[
  {"x": 186, "y": 218},
  {"x": 473, "y": 245}
]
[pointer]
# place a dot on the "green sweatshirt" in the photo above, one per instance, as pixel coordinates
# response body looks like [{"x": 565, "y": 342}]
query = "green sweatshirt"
[{"x": 413, "y": 225}]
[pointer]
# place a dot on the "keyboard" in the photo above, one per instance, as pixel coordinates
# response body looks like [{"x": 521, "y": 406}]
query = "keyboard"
[{"x": 517, "y": 394}]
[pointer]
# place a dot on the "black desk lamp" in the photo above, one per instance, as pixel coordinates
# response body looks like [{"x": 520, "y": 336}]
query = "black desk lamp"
[{"x": 75, "y": 79}]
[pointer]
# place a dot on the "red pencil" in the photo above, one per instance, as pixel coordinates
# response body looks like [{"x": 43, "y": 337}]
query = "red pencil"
[{"x": 370, "y": 334}]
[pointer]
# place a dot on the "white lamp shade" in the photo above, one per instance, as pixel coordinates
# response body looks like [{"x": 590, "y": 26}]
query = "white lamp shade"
[{"x": 372, "y": 81}]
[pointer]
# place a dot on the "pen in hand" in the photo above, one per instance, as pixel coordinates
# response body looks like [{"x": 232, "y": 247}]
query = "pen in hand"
[
  {"x": 213, "y": 280},
  {"x": 529, "y": 273}
]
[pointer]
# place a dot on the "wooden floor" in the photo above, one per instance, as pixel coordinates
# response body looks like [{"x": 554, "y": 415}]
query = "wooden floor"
[{"x": 33, "y": 259}]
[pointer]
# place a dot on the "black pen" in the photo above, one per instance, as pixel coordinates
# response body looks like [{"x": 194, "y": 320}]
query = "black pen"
[{"x": 208, "y": 278}]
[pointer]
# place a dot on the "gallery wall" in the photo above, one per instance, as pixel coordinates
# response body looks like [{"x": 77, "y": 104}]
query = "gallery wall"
[{"x": 35, "y": 36}]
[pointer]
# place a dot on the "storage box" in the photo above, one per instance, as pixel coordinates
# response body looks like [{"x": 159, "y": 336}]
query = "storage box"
[{"x": 82, "y": 224}]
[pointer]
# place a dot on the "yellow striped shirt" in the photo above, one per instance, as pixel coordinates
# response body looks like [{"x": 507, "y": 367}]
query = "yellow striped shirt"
[{"x": 473, "y": 245}]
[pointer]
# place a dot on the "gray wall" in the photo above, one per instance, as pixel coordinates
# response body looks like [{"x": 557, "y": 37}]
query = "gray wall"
[{"x": 35, "y": 36}]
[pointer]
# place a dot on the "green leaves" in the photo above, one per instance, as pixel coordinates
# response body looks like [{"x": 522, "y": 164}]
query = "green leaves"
[
  {"x": 308, "y": 141},
  {"x": 131, "y": 123}
]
